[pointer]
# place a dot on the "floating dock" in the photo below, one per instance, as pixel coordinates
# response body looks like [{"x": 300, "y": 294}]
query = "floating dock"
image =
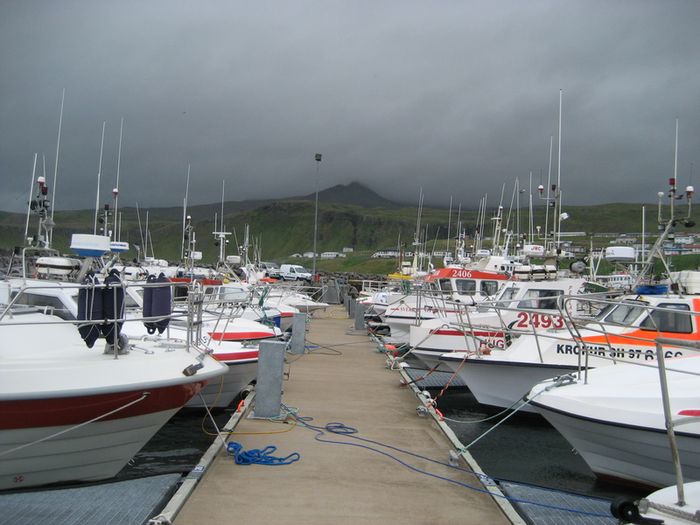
[{"x": 342, "y": 478}]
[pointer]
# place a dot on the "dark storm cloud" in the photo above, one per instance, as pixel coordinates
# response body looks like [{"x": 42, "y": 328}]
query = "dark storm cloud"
[{"x": 455, "y": 96}]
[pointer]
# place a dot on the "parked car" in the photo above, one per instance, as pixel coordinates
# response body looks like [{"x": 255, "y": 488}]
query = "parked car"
[{"x": 271, "y": 269}]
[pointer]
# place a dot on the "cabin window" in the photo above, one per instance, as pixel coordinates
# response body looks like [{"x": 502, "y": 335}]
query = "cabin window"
[
  {"x": 489, "y": 288},
  {"x": 621, "y": 314},
  {"x": 58, "y": 308},
  {"x": 466, "y": 286},
  {"x": 445, "y": 285},
  {"x": 673, "y": 318},
  {"x": 540, "y": 299},
  {"x": 508, "y": 293},
  {"x": 180, "y": 293}
]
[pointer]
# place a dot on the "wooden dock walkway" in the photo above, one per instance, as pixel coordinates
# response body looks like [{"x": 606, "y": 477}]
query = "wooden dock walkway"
[{"x": 342, "y": 379}]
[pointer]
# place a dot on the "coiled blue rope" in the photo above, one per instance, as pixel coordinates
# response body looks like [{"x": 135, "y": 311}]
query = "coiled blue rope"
[{"x": 256, "y": 456}]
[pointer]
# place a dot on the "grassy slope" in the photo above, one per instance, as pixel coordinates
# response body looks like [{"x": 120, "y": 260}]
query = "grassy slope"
[{"x": 286, "y": 226}]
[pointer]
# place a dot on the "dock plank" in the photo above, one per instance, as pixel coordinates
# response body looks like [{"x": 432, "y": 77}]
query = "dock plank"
[{"x": 335, "y": 483}]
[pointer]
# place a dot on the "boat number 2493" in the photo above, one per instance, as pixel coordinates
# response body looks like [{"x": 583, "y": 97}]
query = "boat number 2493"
[{"x": 537, "y": 320}]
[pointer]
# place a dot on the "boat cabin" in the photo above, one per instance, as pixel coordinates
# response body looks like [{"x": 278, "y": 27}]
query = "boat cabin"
[{"x": 466, "y": 284}]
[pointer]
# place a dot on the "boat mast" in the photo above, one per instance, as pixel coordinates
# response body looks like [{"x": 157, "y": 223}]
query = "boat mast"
[
  {"x": 115, "y": 191},
  {"x": 184, "y": 213},
  {"x": 558, "y": 216},
  {"x": 99, "y": 175},
  {"x": 55, "y": 168},
  {"x": 138, "y": 217},
  {"x": 29, "y": 202},
  {"x": 449, "y": 224},
  {"x": 549, "y": 187},
  {"x": 221, "y": 235},
  {"x": 416, "y": 235},
  {"x": 149, "y": 238},
  {"x": 531, "y": 225}
]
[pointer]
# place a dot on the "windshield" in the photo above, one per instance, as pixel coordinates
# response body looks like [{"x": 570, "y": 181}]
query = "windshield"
[
  {"x": 489, "y": 288},
  {"x": 508, "y": 293},
  {"x": 532, "y": 299},
  {"x": 466, "y": 286},
  {"x": 621, "y": 314},
  {"x": 673, "y": 318},
  {"x": 445, "y": 285}
]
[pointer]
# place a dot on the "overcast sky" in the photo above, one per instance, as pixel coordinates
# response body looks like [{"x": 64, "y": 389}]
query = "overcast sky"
[{"x": 458, "y": 97}]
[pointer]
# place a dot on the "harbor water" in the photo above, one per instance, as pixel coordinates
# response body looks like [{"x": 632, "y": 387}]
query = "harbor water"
[{"x": 524, "y": 448}]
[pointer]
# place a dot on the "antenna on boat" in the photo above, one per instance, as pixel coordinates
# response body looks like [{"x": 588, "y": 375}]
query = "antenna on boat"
[
  {"x": 184, "y": 212},
  {"x": 55, "y": 168},
  {"x": 99, "y": 175},
  {"x": 138, "y": 217},
  {"x": 531, "y": 221},
  {"x": 115, "y": 191},
  {"x": 449, "y": 224},
  {"x": 29, "y": 202},
  {"x": 558, "y": 194},
  {"x": 666, "y": 225},
  {"x": 547, "y": 199},
  {"x": 416, "y": 235},
  {"x": 220, "y": 235},
  {"x": 149, "y": 238}
]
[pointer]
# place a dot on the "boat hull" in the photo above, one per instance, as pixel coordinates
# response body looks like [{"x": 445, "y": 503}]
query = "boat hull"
[
  {"x": 82, "y": 452},
  {"x": 503, "y": 383},
  {"x": 221, "y": 392},
  {"x": 638, "y": 455}
]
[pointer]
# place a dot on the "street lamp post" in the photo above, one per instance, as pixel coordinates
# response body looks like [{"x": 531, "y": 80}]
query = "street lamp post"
[{"x": 318, "y": 164}]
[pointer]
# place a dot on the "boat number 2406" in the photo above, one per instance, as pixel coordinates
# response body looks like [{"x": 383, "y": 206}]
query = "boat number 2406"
[{"x": 526, "y": 320}]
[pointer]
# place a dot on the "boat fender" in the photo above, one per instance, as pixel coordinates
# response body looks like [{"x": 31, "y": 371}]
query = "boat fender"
[
  {"x": 148, "y": 305},
  {"x": 113, "y": 306},
  {"x": 627, "y": 511},
  {"x": 162, "y": 303},
  {"x": 90, "y": 309}
]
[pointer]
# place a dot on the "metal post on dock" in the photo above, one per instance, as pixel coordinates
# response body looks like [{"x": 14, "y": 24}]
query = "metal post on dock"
[
  {"x": 298, "y": 334},
  {"x": 351, "y": 306},
  {"x": 360, "y": 316},
  {"x": 268, "y": 388}
]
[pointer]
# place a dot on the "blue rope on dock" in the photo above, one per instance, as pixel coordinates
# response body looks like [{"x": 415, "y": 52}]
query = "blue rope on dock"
[
  {"x": 345, "y": 430},
  {"x": 256, "y": 456}
]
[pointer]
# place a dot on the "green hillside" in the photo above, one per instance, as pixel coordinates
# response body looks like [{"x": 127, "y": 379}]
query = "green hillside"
[{"x": 282, "y": 227}]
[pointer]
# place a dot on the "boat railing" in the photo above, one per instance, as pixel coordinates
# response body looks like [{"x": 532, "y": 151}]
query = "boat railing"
[
  {"x": 640, "y": 325},
  {"x": 670, "y": 421},
  {"x": 192, "y": 315},
  {"x": 565, "y": 325}
]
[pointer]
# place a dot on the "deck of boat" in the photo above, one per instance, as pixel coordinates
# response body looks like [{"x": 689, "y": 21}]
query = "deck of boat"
[{"x": 341, "y": 379}]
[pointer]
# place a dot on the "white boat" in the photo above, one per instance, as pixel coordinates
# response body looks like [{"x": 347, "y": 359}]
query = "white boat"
[
  {"x": 625, "y": 332},
  {"x": 62, "y": 298},
  {"x": 663, "y": 506},
  {"x": 444, "y": 294},
  {"x": 491, "y": 326},
  {"x": 614, "y": 418},
  {"x": 242, "y": 363},
  {"x": 71, "y": 413}
]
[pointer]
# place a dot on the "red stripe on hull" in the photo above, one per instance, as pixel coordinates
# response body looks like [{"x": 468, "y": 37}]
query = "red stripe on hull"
[
  {"x": 74, "y": 410},
  {"x": 236, "y": 356},
  {"x": 462, "y": 334},
  {"x": 240, "y": 336}
]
